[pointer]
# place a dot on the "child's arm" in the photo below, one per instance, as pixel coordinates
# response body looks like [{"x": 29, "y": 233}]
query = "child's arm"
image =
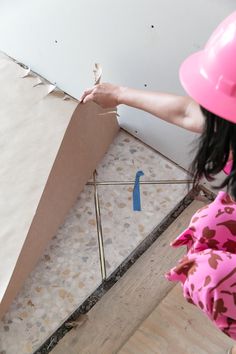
[{"x": 179, "y": 110}]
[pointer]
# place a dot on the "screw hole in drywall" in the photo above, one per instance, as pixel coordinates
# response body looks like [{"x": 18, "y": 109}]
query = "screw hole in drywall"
[
  {"x": 55, "y": 41},
  {"x": 152, "y": 26},
  {"x": 145, "y": 85},
  {"x": 136, "y": 132}
]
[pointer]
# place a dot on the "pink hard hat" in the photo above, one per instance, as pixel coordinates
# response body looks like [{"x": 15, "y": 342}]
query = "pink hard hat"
[{"x": 209, "y": 76}]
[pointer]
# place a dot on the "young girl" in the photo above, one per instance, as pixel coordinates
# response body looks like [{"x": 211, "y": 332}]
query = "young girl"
[{"x": 208, "y": 270}]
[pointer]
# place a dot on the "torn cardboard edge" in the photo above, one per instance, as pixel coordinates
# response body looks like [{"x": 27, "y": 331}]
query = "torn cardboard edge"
[{"x": 52, "y": 88}]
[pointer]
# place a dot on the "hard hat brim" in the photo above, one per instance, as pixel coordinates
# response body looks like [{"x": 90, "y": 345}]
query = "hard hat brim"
[{"x": 199, "y": 87}]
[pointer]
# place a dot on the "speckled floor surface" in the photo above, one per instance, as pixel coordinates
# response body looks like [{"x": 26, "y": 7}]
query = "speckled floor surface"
[{"x": 69, "y": 270}]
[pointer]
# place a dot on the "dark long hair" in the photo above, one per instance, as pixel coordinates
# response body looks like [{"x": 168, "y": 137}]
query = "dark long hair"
[{"x": 214, "y": 145}]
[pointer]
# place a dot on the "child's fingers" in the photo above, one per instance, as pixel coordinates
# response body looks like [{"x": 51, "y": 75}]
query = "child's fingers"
[
  {"x": 88, "y": 98},
  {"x": 86, "y": 93}
]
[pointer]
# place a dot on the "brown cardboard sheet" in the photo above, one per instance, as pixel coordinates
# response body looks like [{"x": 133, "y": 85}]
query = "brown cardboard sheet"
[{"x": 49, "y": 149}]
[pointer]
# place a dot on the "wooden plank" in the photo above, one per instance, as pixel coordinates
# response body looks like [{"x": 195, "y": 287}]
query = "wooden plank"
[
  {"x": 122, "y": 309},
  {"x": 177, "y": 327}
]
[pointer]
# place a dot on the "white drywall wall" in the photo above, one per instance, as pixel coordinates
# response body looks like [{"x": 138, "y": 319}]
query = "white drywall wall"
[{"x": 138, "y": 43}]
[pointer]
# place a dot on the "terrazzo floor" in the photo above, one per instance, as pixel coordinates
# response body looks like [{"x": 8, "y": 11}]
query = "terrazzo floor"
[{"x": 69, "y": 270}]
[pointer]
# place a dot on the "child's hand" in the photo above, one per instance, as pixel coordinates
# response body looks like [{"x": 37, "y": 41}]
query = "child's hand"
[{"x": 105, "y": 95}]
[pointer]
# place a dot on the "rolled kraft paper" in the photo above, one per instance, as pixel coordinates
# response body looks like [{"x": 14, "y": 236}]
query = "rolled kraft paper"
[{"x": 49, "y": 149}]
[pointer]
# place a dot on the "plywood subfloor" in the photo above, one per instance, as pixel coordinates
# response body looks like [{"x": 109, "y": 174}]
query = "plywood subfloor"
[
  {"x": 114, "y": 319},
  {"x": 176, "y": 327}
]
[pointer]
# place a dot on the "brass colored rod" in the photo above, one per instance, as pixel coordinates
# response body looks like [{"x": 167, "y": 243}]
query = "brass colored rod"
[
  {"x": 124, "y": 183},
  {"x": 99, "y": 230}
]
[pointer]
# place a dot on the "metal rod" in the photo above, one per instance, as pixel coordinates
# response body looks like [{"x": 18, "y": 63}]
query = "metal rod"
[
  {"x": 124, "y": 183},
  {"x": 99, "y": 230}
]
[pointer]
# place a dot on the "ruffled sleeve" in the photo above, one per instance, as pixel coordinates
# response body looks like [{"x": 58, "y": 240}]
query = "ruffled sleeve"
[{"x": 186, "y": 238}]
